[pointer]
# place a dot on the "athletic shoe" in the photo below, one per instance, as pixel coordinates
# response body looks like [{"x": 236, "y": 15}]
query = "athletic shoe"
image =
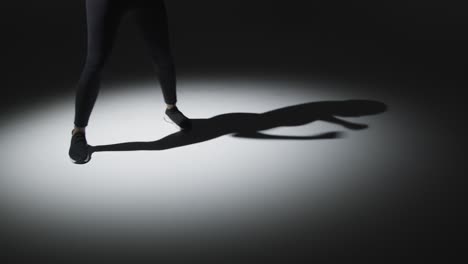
[
  {"x": 175, "y": 117},
  {"x": 79, "y": 152}
]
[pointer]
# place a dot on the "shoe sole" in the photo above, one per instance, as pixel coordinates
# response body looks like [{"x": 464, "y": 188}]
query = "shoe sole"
[
  {"x": 88, "y": 158},
  {"x": 168, "y": 120}
]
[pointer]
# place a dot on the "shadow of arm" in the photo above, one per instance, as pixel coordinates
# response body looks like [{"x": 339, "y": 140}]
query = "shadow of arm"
[
  {"x": 258, "y": 135},
  {"x": 344, "y": 123}
]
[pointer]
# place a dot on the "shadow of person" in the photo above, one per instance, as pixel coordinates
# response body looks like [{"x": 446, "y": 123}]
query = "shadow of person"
[{"x": 249, "y": 125}]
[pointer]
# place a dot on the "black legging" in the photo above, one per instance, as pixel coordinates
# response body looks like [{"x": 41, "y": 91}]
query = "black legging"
[{"x": 103, "y": 18}]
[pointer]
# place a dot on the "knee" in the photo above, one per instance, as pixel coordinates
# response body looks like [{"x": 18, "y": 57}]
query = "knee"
[
  {"x": 94, "y": 64},
  {"x": 166, "y": 66}
]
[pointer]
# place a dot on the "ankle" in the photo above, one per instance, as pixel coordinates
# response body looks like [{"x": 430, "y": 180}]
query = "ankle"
[{"x": 78, "y": 129}]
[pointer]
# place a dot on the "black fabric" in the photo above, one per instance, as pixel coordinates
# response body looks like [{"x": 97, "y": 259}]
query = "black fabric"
[
  {"x": 103, "y": 18},
  {"x": 178, "y": 118}
]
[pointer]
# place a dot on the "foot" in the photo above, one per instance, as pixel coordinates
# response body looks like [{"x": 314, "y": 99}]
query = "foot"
[
  {"x": 79, "y": 152},
  {"x": 174, "y": 116}
]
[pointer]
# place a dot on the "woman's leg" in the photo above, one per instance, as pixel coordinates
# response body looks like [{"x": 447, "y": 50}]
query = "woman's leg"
[
  {"x": 151, "y": 18},
  {"x": 103, "y": 18}
]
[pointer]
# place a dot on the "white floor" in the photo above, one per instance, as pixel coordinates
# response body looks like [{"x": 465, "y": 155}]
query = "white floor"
[{"x": 226, "y": 183}]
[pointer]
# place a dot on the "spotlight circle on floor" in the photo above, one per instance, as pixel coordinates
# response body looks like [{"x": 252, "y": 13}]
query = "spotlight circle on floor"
[{"x": 224, "y": 178}]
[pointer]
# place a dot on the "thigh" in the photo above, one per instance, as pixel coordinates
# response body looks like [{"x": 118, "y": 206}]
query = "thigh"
[
  {"x": 102, "y": 18},
  {"x": 150, "y": 18}
]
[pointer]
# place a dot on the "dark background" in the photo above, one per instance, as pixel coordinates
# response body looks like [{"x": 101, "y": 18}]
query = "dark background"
[
  {"x": 416, "y": 48},
  {"x": 396, "y": 41}
]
